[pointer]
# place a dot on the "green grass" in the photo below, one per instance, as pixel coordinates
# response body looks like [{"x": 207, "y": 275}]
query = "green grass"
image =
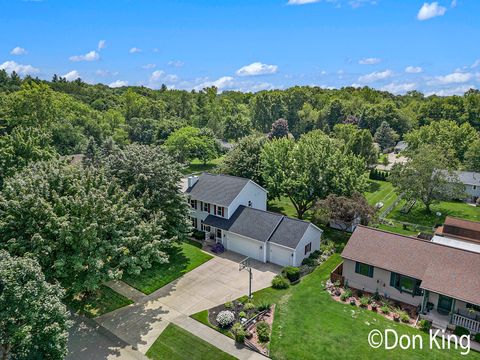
[
  {"x": 419, "y": 215},
  {"x": 197, "y": 166},
  {"x": 104, "y": 301},
  {"x": 338, "y": 237},
  {"x": 183, "y": 258},
  {"x": 175, "y": 343},
  {"x": 398, "y": 229},
  {"x": 380, "y": 191},
  {"x": 285, "y": 207},
  {"x": 332, "y": 329},
  {"x": 202, "y": 317}
]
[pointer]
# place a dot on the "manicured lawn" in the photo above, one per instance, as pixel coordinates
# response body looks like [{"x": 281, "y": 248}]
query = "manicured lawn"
[
  {"x": 309, "y": 324},
  {"x": 104, "y": 301},
  {"x": 398, "y": 229},
  {"x": 419, "y": 215},
  {"x": 175, "y": 343},
  {"x": 380, "y": 191},
  {"x": 202, "y": 317},
  {"x": 197, "y": 166},
  {"x": 183, "y": 258},
  {"x": 285, "y": 207},
  {"x": 338, "y": 237}
]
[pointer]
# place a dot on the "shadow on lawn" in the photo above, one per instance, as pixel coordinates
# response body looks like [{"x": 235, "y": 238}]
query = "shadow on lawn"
[{"x": 373, "y": 186}]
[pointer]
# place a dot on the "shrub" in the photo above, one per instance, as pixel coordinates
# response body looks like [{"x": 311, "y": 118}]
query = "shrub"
[
  {"x": 264, "y": 305},
  {"x": 477, "y": 337},
  {"x": 364, "y": 301},
  {"x": 199, "y": 235},
  {"x": 225, "y": 318},
  {"x": 263, "y": 331},
  {"x": 385, "y": 309},
  {"x": 404, "y": 318},
  {"x": 424, "y": 325},
  {"x": 459, "y": 331},
  {"x": 243, "y": 299},
  {"x": 327, "y": 247},
  {"x": 346, "y": 294},
  {"x": 228, "y": 305},
  {"x": 308, "y": 262},
  {"x": 376, "y": 296},
  {"x": 239, "y": 332},
  {"x": 248, "y": 306},
  {"x": 291, "y": 273},
  {"x": 279, "y": 282},
  {"x": 315, "y": 255},
  {"x": 242, "y": 314}
]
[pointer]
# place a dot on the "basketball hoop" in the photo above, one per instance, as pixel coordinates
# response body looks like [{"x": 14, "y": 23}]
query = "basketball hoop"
[{"x": 245, "y": 265}]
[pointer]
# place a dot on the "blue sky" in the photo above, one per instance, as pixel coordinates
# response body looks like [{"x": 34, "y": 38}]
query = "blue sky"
[{"x": 247, "y": 45}]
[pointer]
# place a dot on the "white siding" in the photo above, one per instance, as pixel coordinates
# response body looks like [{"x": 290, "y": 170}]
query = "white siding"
[
  {"x": 472, "y": 190},
  {"x": 280, "y": 255},
  {"x": 251, "y": 192},
  {"x": 380, "y": 282},
  {"x": 245, "y": 246},
  {"x": 312, "y": 235}
]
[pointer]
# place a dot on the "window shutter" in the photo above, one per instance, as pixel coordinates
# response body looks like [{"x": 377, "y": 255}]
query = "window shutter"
[
  {"x": 393, "y": 278},
  {"x": 357, "y": 267},
  {"x": 215, "y": 209},
  {"x": 209, "y": 208},
  {"x": 223, "y": 211},
  {"x": 201, "y": 205}
]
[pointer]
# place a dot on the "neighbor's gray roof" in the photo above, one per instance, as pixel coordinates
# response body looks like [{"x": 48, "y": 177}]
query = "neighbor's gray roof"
[
  {"x": 469, "y": 177},
  {"x": 262, "y": 226},
  {"x": 217, "y": 189},
  {"x": 402, "y": 145}
]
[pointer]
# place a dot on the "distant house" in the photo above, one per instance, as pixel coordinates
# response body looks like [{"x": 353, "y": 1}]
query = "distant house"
[
  {"x": 401, "y": 146},
  {"x": 459, "y": 233},
  {"x": 442, "y": 280},
  {"x": 232, "y": 211},
  {"x": 471, "y": 180}
]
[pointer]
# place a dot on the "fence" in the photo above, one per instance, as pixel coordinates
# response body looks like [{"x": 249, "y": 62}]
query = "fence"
[{"x": 336, "y": 275}]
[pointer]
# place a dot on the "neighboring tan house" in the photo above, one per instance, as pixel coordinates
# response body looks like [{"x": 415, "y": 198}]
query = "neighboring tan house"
[
  {"x": 459, "y": 233},
  {"x": 232, "y": 211},
  {"x": 443, "y": 281}
]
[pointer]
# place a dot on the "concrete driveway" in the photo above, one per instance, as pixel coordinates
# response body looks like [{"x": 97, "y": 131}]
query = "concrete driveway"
[{"x": 213, "y": 283}]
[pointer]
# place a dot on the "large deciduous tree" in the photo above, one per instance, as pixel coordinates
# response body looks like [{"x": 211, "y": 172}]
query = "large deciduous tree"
[
  {"x": 427, "y": 177},
  {"x": 33, "y": 321},
  {"x": 310, "y": 169},
  {"x": 472, "y": 157},
  {"x": 358, "y": 141},
  {"x": 279, "y": 129},
  {"x": 79, "y": 224},
  {"x": 385, "y": 136}
]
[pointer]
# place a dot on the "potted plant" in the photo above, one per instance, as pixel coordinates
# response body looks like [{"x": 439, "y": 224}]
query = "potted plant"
[
  {"x": 396, "y": 317},
  {"x": 374, "y": 307}
]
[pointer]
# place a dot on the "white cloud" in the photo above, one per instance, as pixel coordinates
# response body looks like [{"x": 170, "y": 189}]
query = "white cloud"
[
  {"x": 18, "y": 51},
  {"x": 413, "y": 69},
  {"x": 101, "y": 45},
  {"x": 72, "y": 75},
  {"x": 475, "y": 64},
  {"x": 10, "y": 66},
  {"x": 458, "y": 90},
  {"x": 399, "y": 88},
  {"x": 176, "y": 63},
  {"x": 135, "y": 50},
  {"x": 428, "y": 11},
  {"x": 453, "y": 78},
  {"x": 149, "y": 66},
  {"x": 118, "y": 83},
  {"x": 257, "y": 68},
  {"x": 90, "y": 56},
  {"x": 369, "y": 61},
  {"x": 159, "y": 77},
  {"x": 453, "y": 4},
  {"x": 376, "y": 76},
  {"x": 323, "y": 72},
  {"x": 301, "y": 2},
  {"x": 225, "y": 82}
]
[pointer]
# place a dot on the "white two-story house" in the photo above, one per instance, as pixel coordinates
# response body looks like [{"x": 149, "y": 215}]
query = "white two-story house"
[{"x": 232, "y": 211}]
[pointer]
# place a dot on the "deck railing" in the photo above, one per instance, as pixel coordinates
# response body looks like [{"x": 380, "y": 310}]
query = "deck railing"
[{"x": 470, "y": 324}]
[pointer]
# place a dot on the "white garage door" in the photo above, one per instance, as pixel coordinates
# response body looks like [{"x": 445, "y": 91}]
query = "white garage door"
[
  {"x": 244, "y": 246},
  {"x": 279, "y": 255}
]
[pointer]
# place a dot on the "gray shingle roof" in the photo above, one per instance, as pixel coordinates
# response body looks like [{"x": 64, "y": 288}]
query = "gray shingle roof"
[
  {"x": 469, "y": 177},
  {"x": 262, "y": 226},
  {"x": 217, "y": 189}
]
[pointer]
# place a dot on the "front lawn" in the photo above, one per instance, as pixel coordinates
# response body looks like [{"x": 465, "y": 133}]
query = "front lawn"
[
  {"x": 197, "y": 166},
  {"x": 104, "y": 301},
  {"x": 284, "y": 206},
  {"x": 175, "y": 343},
  {"x": 419, "y": 215},
  {"x": 380, "y": 191},
  {"x": 184, "y": 257}
]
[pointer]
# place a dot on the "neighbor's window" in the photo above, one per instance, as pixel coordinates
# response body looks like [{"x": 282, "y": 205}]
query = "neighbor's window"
[
  {"x": 364, "y": 269},
  {"x": 220, "y": 210},
  {"x": 194, "y": 222},
  {"x": 308, "y": 248},
  {"x": 219, "y": 233},
  {"x": 193, "y": 203},
  {"x": 473, "y": 307},
  {"x": 205, "y": 207}
]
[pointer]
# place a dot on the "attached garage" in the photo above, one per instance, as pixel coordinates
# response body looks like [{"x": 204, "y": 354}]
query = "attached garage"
[
  {"x": 245, "y": 246},
  {"x": 280, "y": 255}
]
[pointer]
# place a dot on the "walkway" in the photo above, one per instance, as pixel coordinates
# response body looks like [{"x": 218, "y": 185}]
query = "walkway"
[{"x": 213, "y": 283}]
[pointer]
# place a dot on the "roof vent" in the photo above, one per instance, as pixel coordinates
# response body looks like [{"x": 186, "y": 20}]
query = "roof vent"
[{"x": 192, "y": 180}]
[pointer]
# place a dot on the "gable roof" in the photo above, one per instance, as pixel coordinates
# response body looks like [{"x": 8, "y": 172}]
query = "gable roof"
[
  {"x": 461, "y": 229},
  {"x": 217, "y": 189},
  {"x": 446, "y": 270},
  {"x": 262, "y": 226},
  {"x": 469, "y": 177}
]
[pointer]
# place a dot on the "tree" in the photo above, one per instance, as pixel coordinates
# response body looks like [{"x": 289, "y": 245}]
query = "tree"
[
  {"x": 238, "y": 124},
  {"x": 149, "y": 175},
  {"x": 79, "y": 224},
  {"x": 244, "y": 159},
  {"x": 358, "y": 141},
  {"x": 427, "y": 176},
  {"x": 385, "y": 136},
  {"x": 188, "y": 143},
  {"x": 310, "y": 169},
  {"x": 33, "y": 321},
  {"x": 472, "y": 157},
  {"x": 345, "y": 210},
  {"x": 308, "y": 119},
  {"x": 279, "y": 129}
]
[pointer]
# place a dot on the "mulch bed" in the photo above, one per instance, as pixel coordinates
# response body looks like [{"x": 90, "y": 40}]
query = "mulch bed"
[{"x": 268, "y": 318}]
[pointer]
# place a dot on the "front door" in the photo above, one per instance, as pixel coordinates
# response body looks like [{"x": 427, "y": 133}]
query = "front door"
[
  {"x": 444, "y": 304},
  {"x": 219, "y": 235}
]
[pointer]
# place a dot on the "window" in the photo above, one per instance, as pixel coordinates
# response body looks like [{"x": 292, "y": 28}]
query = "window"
[
  {"x": 193, "y": 203},
  {"x": 219, "y": 233},
  {"x": 364, "y": 269},
  {"x": 206, "y": 207},
  {"x": 405, "y": 284},
  {"x": 205, "y": 228},
  {"x": 194, "y": 222},
  {"x": 473, "y": 307},
  {"x": 308, "y": 248},
  {"x": 220, "y": 210}
]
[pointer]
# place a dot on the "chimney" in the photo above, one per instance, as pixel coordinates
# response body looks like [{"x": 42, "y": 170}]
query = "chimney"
[{"x": 192, "y": 180}]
